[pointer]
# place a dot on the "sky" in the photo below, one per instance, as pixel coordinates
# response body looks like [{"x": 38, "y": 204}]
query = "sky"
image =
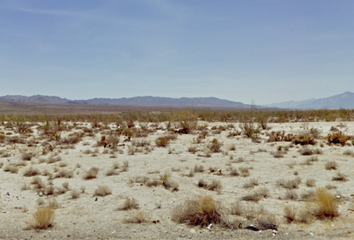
[{"x": 254, "y": 51}]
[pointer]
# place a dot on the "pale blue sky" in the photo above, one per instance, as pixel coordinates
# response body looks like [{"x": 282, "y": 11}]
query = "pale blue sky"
[{"x": 251, "y": 50}]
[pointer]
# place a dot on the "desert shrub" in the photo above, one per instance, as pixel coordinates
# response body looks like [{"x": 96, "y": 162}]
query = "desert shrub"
[
  {"x": 125, "y": 166},
  {"x": 27, "y": 156},
  {"x": 252, "y": 183},
  {"x": 250, "y": 130},
  {"x": 214, "y": 185},
  {"x": 75, "y": 193},
  {"x": 162, "y": 141},
  {"x": 244, "y": 171},
  {"x": 198, "y": 168},
  {"x": 290, "y": 184},
  {"x": 253, "y": 197},
  {"x": 331, "y": 165},
  {"x": 193, "y": 149},
  {"x": 290, "y": 213},
  {"x": 337, "y": 138},
  {"x": 306, "y": 151},
  {"x": 199, "y": 212},
  {"x": 291, "y": 195},
  {"x": 234, "y": 134},
  {"x": 348, "y": 153},
  {"x": 11, "y": 168},
  {"x": 340, "y": 177},
  {"x": 102, "y": 191},
  {"x": 234, "y": 172},
  {"x": 92, "y": 173},
  {"x": 214, "y": 146},
  {"x": 303, "y": 139},
  {"x": 310, "y": 182},
  {"x": 43, "y": 218},
  {"x": 326, "y": 204},
  {"x": 129, "y": 203},
  {"x": 237, "y": 208},
  {"x": 138, "y": 217}
]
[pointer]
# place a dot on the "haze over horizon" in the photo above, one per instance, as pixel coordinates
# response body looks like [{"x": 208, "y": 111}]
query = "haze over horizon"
[{"x": 244, "y": 51}]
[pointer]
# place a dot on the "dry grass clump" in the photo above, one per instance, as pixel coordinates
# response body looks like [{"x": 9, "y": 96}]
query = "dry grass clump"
[
  {"x": 214, "y": 185},
  {"x": 92, "y": 173},
  {"x": 237, "y": 208},
  {"x": 291, "y": 195},
  {"x": 306, "y": 151},
  {"x": 11, "y": 168},
  {"x": 326, "y": 204},
  {"x": 310, "y": 182},
  {"x": 125, "y": 166},
  {"x": 214, "y": 146},
  {"x": 252, "y": 183},
  {"x": 348, "y": 152},
  {"x": 162, "y": 141},
  {"x": 331, "y": 165},
  {"x": 129, "y": 203},
  {"x": 138, "y": 217},
  {"x": 53, "y": 159},
  {"x": 337, "y": 138},
  {"x": 26, "y": 156},
  {"x": 75, "y": 193},
  {"x": 198, "y": 168},
  {"x": 193, "y": 149},
  {"x": 201, "y": 211},
  {"x": 102, "y": 191},
  {"x": 234, "y": 172},
  {"x": 290, "y": 184},
  {"x": 340, "y": 177},
  {"x": 43, "y": 217},
  {"x": 244, "y": 171}
]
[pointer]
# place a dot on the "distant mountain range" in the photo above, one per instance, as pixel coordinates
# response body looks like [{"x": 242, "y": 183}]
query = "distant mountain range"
[
  {"x": 344, "y": 100},
  {"x": 134, "y": 101}
]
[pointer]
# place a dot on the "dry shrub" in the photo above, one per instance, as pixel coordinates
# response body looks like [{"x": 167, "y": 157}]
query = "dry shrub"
[
  {"x": 92, "y": 173},
  {"x": 53, "y": 159},
  {"x": 11, "y": 169},
  {"x": 162, "y": 141},
  {"x": 198, "y": 168},
  {"x": 198, "y": 212},
  {"x": 337, "y": 138},
  {"x": 244, "y": 171},
  {"x": 214, "y": 185},
  {"x": 291, "y": 195},
  {"x": 138, "y": 217},
  {"x": 290, "y": 214},
  {"x": 27, "y": 156},
  {"x": 326, "y": 204},
  {"x": 290, "y": 184},
  {"x": 306, "y": 151},
  {"x": 38, "y": 183},
  {"x": 348, "y": 152},
  {"x": 129, "y": 203},
  {"x": 193, "y": 150},
  {"x": 102, "y": 191},
  {"x": 75, "y": 193},
  {"x": 125, "y": 166},
  {"x": 303, "y": 139},
  {"x": 340, "y": 177},
  {"x": 43, "y": 218},
  {"x": 234, "y": 172},
  {"x": 310, "y": 182},
  {"x": 331, "y": 165},
  {"x": 214, "y": 146},
  {"x": 252, "y": 183},
  {"x": 237, "y": 208}
]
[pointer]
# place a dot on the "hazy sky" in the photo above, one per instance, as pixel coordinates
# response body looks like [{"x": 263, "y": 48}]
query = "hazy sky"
[{"x": 260, "y": 51}]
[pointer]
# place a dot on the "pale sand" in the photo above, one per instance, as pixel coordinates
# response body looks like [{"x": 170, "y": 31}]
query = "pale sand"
[{"x": 86, "y": 218}]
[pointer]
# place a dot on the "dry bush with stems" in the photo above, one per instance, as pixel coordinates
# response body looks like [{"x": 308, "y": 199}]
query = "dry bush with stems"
[
  {"x": 214, "y": 185},
  {"x": 337, "y": 138},
  {"x": 201, "y": 211},
  {"x": 75, "y": 193},
  {"x": 233, "y": 172},
  {"x": 290, "y": 184},
  {"x": 340, "y": 177},
  {"x": 129, "y": 203},
  {"x": 91, "y": 174},
  {"x": 244, "y": 171},
  {"x": 162, "y": 142},
  {"x": 137, "y": 217},
  {"x": 214, "y": 146},
  {"x": 237, "y": 208},
  {"x": 291, "y": 195},
  {"x": 125, "y": 166},
  {"x": 331, "y": 165},
  {"x": 11, "y": 168},
  {"x": 198, "y": 168},
  {"x": 102, "y": 191},
  {"x": 252, "y": 183},
  {"x": 310, "y": 182},
  {"x": 43, "y": 218},
  {"x": 193, "y": 149},
  {"x": 27, "y": 156}
]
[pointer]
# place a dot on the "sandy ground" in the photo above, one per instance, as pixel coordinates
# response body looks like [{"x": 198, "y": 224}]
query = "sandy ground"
[{"x": 97, "y": 217}]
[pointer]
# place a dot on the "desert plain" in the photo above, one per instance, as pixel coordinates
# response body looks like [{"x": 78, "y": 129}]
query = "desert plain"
[{"x": 176, "y": 180}]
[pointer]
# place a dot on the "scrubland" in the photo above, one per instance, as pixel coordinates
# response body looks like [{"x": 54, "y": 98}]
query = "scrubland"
[{"x": 178, "y": 174}]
